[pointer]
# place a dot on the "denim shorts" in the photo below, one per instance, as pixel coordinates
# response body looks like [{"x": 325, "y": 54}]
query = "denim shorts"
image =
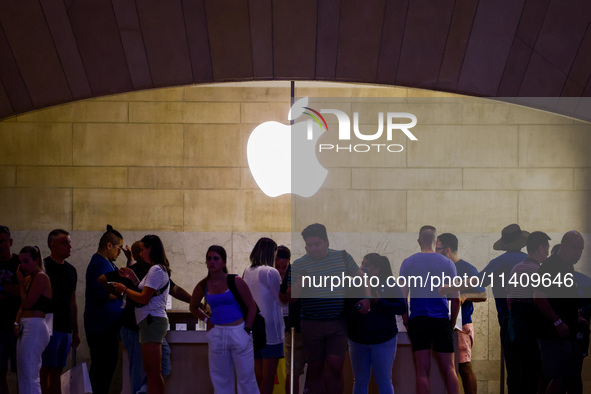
[
  {"x": 560, "y": 358},
  {"x": 269, "y": 351},
  {"x": 7, "y": 350},
  {"x": 56, "y": 352},
  {"x": 153, "y": 329}
]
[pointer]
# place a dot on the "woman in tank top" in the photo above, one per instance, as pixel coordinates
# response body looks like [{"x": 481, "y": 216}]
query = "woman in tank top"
[
  {"x": 30, "y": 325},
  {"x": 229, "y": 338}
]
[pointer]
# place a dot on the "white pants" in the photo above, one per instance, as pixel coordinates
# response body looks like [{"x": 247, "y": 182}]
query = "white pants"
[
  {"x": 230, "y": 349},
  {"x": 33, "y": 339}
]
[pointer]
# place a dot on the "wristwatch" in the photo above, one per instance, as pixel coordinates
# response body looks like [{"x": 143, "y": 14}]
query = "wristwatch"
[
  {"x": 248, "y": 330},
  {"x": 557, "y": 322}
]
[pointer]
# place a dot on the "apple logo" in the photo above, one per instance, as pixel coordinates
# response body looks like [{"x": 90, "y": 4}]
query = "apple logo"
[{"x": 282, "y": 157}]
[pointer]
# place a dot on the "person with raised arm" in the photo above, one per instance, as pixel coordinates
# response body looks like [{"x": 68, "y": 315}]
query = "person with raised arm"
[{"x": 150, "y": 314}]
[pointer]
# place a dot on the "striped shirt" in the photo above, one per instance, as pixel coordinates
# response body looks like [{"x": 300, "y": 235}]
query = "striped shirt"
[
  {"x": 323, "y": 302},
  {"x": 522, "y": 289}
]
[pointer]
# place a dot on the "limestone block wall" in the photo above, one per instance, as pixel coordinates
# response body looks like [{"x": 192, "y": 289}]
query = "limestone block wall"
[{"x": 173, "y": 162}]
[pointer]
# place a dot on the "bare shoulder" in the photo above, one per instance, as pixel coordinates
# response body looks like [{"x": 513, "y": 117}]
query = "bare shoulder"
[
  {"x": 240, "y": 282},
  {"x": 42, "y": 276},
  {"x": 200, "y": 286}
]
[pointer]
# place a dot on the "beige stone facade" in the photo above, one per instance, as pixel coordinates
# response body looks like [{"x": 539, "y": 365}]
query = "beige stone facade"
[{"x": 486, "y": 163}]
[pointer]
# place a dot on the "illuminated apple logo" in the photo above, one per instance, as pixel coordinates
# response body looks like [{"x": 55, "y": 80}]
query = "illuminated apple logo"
[{"x": 282, "y": 157}]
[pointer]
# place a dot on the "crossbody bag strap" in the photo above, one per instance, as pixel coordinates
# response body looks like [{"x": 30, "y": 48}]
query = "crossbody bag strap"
[{"x": 161, "y": 290}]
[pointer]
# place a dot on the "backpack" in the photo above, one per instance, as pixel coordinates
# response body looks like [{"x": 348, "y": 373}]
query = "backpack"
[{"x": 259, "y": 333}]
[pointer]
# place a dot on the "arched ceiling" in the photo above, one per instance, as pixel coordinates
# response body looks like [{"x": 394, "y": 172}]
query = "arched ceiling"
[{"x": 57, "y": 51}]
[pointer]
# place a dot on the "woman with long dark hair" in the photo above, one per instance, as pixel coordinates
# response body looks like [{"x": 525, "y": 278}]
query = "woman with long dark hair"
[
  {"x": 264, "y": 281},
  {"x": 152, "y": 319},
  {"x": 373, "y": 337},
  {"x": 30, "y": 326},
  {"x": 229, "y": 338}
]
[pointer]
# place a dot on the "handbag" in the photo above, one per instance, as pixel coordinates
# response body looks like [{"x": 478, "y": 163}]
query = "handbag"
[
  {"x": 259, "y": 333},
  {"x": 76, "y": 380}
]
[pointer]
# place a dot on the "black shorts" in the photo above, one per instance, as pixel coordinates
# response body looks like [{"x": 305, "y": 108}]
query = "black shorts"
[
  {"x": 561, "y": 358},
  {"x": 427, "y": 333}
]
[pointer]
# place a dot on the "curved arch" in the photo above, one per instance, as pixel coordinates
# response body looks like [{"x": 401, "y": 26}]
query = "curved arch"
[{"x": 62, "y": 51}]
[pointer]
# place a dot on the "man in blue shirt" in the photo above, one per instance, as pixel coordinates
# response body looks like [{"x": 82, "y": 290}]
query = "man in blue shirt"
[
  {"x": 102, "y": 312},
  {"x": 430, "y": 325},
  {"x": 498, "y": 273},
  {"x": 447, "y": 245}
]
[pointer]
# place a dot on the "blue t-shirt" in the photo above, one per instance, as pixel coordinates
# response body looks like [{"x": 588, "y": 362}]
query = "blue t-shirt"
[
  {"x": 425, "y": 301},
  {"x": 101, "y": 314},
  {"x": 463, "y": 267},
  {"x": 502, "y": 265}
]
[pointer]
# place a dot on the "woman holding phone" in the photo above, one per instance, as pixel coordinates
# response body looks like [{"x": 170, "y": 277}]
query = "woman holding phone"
[
  {"x": 151, "y": 317},
  {"x": 30, "y": 326}
]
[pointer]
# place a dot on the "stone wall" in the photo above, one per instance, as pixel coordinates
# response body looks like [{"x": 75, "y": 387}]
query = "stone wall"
[{"x": 173, "y": 162}]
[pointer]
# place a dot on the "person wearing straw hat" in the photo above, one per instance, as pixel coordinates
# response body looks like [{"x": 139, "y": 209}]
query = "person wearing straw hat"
[{"x": 498, "y": 270}]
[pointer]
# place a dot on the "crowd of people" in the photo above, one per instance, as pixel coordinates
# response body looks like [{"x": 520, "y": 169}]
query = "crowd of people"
[{"x": 544, "y": 325}]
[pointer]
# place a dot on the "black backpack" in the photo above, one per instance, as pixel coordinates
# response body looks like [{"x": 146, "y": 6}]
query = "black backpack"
[{"x": 259, "y": 333}]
